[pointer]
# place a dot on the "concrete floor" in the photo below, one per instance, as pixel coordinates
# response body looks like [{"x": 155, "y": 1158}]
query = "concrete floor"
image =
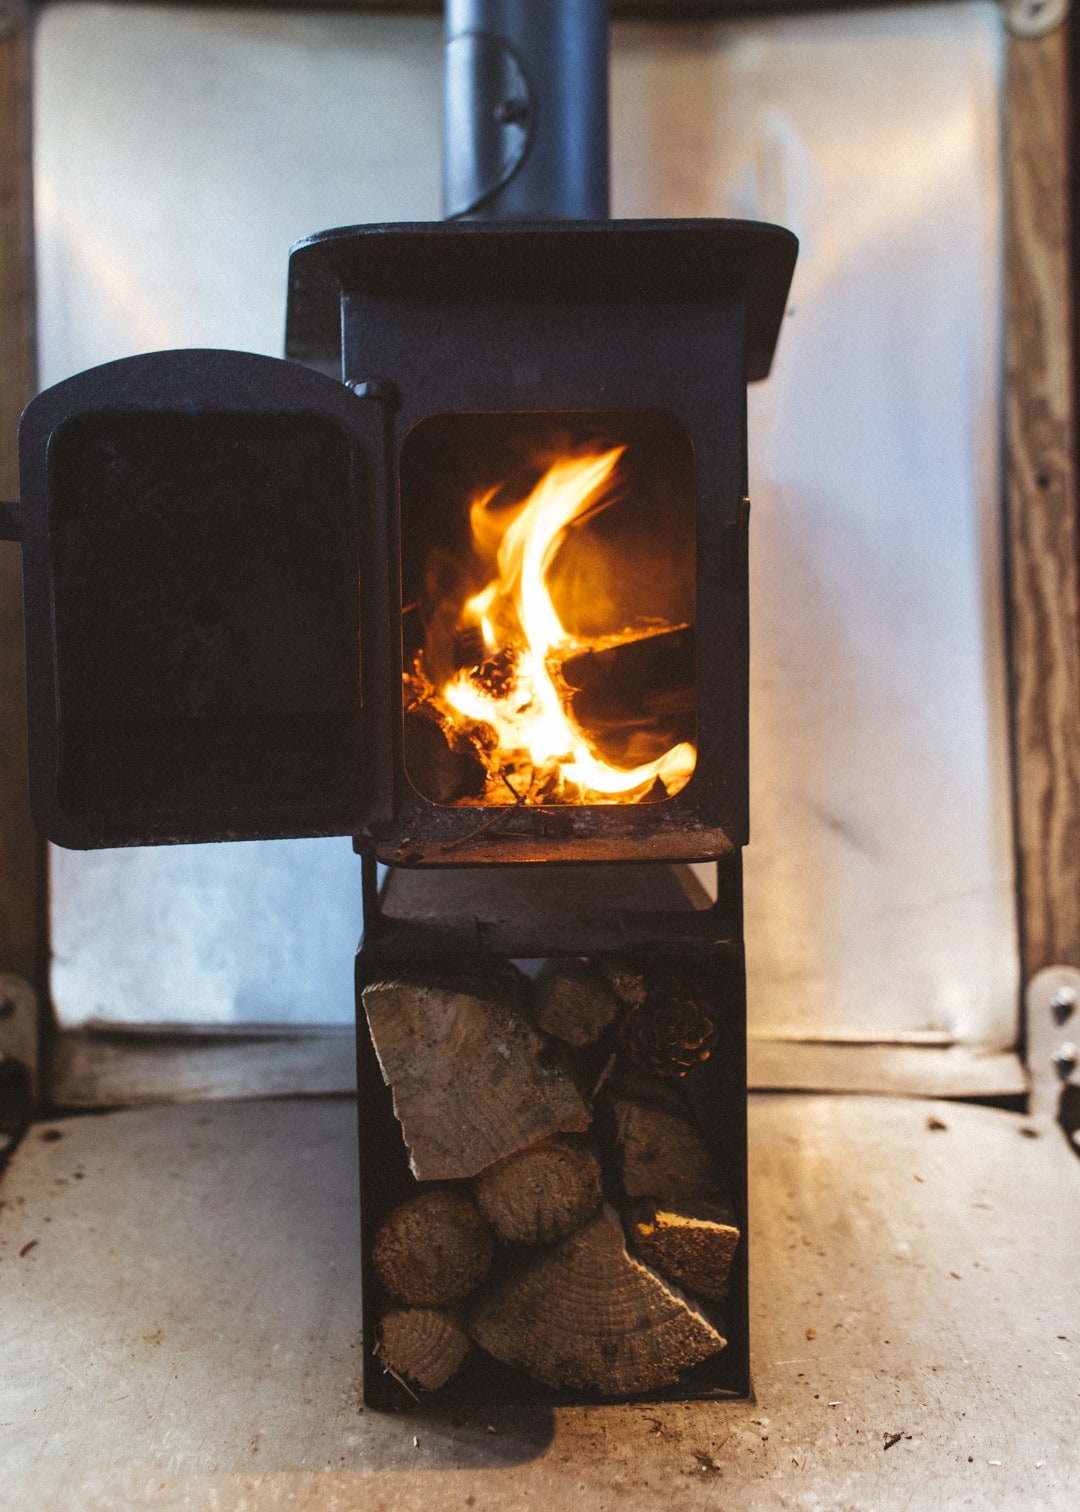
[{"x": 178, "y": 1328}]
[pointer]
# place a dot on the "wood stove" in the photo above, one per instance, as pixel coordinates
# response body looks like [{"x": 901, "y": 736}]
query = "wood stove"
[{"x": 262, "y": 601}]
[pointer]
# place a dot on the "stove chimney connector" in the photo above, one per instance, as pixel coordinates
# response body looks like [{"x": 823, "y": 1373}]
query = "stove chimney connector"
[{"x": 525, "y": 110}]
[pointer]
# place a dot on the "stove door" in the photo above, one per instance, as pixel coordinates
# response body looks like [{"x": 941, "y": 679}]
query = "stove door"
[{"x": 191, "y": 540}]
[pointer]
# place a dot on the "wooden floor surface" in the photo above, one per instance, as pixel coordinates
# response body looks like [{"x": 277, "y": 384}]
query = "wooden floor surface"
[{"x": 178, "y": 1328}]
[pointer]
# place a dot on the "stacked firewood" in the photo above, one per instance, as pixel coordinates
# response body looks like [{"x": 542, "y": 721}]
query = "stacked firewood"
[{"x": 566, "y": 1215}]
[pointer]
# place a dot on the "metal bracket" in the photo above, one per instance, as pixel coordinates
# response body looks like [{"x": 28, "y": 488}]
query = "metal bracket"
[
  {"x": 1034, "y": 18},
  {"x": 18, "y": 1055},
  {"x": 1052, "y": 1001}
]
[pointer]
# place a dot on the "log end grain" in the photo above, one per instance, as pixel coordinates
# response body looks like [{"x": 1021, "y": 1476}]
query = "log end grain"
[
  {"x": 541, "y": 1194},
  {"x": 661, "y": 1154},
  {"x": 586, "y": 1315},
  {"x": 471, "y": 1079},
  {"x": 433, "y": 1249},
  {"x": 423, "y": 1346}
]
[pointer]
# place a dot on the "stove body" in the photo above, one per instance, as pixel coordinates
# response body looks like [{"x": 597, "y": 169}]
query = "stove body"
[{"x": 236, "y": 568}]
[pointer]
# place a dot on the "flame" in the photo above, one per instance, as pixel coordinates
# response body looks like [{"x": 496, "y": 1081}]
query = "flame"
[{"x": 534, "y": 732}]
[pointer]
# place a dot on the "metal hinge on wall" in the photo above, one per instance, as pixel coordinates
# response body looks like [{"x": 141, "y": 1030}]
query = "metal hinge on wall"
[
  {"x": 1034, "y": 18},
  {"x": 1052, "y": 1001}
]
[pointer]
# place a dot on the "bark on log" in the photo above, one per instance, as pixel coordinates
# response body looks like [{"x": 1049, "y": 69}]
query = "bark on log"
[
  {"x": 587, "y": 1315},
  {"x": 472, "y": 1081},
  {"x": 661, "y": 1155},
  {"x": 541, "y": 1194},
  {"x": 572, "y": 1003},
  {"x": 690, "y": 1243},
  {"x": 433, "y": 1250},
  {"x": 424, "y": 1346}
]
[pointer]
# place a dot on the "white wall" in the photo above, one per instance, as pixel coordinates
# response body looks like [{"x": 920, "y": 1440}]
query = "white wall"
[{"x": 178, "y": 153}]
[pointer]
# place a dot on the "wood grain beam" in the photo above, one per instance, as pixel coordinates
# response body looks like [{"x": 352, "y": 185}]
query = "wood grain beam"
[
  {"x": 21, "y": 859},
  {"x": 1041, "y": 499}
]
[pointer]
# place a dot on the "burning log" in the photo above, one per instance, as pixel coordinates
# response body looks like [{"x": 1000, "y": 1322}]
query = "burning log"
[
  {"x": 587, "y": 1315},
  {"x": 691, "y": 1243},
  {"x": 444, "y": 771},
  {"x": 471, "y": 1080},
  {"x": 433, "y": 1249},
  {"x": 573, "y": 1003},
  {"x": 424, "y": 1346},
  {"x": 542, "y": 1194},
  {"x": 637, "y": 698},
  {"x": 661, "y": 1154}
]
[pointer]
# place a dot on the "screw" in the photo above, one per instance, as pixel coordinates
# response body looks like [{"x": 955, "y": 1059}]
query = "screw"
[
  {"x": 511, "y": 112},
  {"x": 1064, "y": 1059},
  {"x": 1063, "y": 1005}
]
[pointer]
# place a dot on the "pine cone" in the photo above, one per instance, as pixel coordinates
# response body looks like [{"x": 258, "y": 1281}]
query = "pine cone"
[{"x": 670, "y": 1032}]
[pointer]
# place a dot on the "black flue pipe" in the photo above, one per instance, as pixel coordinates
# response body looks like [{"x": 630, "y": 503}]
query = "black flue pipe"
[{"x": 525, "y": 110}]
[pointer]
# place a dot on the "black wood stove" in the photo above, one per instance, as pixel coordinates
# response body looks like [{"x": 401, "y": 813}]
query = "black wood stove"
[{"x": 464, "y": 578}]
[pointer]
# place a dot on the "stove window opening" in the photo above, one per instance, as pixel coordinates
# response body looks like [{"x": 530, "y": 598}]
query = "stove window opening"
[{"x": 548, "y": 608}]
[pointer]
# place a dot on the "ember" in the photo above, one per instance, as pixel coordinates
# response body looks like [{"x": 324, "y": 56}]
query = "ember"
[{"x": 522, "y": 676}]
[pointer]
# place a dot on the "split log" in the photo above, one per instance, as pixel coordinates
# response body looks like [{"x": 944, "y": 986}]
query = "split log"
[
  {"x": 433, "y": 1249},
  {"x": 691, "y": 1243},
  {"x": 661, "y": 1155},
  {"x": 572, "y": 1003},
  {"x": 586, "y": 1315},
  {"x": 627, "y": 984},
  {"x": 472, "y": 1081},
  {"x": 441, "y": 769},
  {"x": 541, "y": 1194},
  {"x": 424, "y": 1346}
]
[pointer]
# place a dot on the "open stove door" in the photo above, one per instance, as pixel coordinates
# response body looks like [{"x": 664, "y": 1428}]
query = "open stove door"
[{"x": 191, "y": 526}]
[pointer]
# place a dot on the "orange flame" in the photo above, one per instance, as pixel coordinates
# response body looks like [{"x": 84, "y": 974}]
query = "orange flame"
[{"x": 514, "y": 613}]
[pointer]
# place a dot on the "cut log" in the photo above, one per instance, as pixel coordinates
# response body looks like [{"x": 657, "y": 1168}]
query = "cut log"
[
  {"x": 433, "y": 1249},
  {"x": 573, "y": 1003},
  {"x": 661, "y": 1155},
  {"x": 441, "y": 769},
  {"x": 472, "y": 1081},
  {"x": 541, "y": 1194},
  {"x": 628, "y": 985},
  {"x": 587, "y": 1315},
  {"x": 638, "y": 698},
  {"x": 424, "y": 1346},
  {"x": 690, "y": 1243}
]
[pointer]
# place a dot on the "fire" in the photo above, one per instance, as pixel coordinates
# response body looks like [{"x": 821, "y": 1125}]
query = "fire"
[{"x": 512, "y": 697}]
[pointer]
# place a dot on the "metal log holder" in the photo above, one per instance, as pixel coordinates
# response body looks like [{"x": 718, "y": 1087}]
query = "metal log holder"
[{"x": 219, "y": 551}]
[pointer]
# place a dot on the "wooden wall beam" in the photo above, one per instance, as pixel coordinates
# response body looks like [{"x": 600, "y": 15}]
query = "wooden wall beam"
[
  {"x": 22, "y": 942},
  {"x": 1041, "y": 498}
]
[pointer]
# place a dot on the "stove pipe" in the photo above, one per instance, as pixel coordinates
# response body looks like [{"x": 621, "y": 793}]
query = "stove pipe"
[{"x": 525, "y": 110}]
